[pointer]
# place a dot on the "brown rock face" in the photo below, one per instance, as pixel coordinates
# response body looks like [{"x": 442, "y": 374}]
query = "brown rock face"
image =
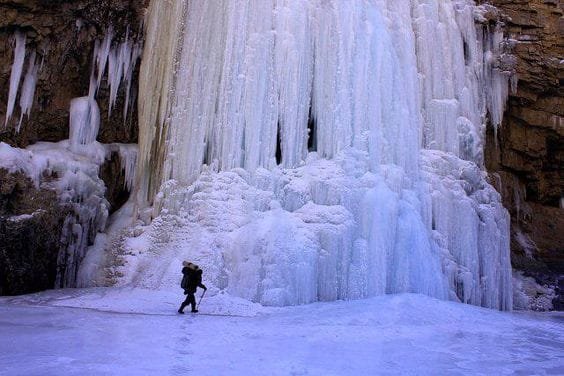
[
  {"x": 528, "y": 153},
  {"x": 63, "y": 33},
  {"x": 31, "y": 221}
]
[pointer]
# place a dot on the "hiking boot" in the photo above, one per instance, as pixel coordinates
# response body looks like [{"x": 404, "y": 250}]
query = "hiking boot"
[
  {"x": 180, "y": 311},
  {"x": 194, "y": 311}
]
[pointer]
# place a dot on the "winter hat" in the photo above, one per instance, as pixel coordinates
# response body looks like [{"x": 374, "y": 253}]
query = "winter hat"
[{"x": 186, "y": 263}]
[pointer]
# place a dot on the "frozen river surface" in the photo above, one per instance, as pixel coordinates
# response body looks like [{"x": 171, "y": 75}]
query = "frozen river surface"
[{"x": 136, "y": 332}]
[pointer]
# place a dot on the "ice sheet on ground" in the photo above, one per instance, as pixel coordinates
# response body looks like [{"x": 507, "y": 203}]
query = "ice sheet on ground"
[{"x": 394, "y": 334}]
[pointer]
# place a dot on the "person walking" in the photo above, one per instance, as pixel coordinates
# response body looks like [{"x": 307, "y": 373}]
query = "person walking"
[{"x": 191, "y": 280}]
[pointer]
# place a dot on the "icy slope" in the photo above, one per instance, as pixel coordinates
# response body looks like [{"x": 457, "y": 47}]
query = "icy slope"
[{"x": 398, "y": 334}]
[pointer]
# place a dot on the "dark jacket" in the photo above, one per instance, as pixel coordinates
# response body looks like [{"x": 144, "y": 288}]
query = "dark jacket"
[{"x": 192, "y": 279}]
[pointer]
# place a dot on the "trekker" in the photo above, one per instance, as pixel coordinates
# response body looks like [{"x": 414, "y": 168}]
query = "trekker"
[{"x": 191, "y": 280}]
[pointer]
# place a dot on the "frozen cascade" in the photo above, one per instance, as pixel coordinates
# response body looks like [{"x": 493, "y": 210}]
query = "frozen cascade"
[
  {"x": 77, "y": 161},
  {"x": 84, "y": 122},
  {"x": 73, "y": 165},
  {"x": 319, "y": 150}
]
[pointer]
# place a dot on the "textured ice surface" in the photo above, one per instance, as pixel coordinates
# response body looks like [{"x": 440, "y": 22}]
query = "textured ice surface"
[
  {"x": 319, "y": 150},
  {"x": 331, "y": 229},
  {"x": 132, "y": 331}
]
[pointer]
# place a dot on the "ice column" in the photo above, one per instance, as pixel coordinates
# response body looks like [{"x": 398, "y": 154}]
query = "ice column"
[
  {"x": 460, "y": 85},
  {"x": 251, "y": 77},
  {"x": 84, "y": 122},
  {"x": 156, "y": 83}
]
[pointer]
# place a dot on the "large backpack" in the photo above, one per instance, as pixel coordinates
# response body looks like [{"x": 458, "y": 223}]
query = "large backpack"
[{"x": 184, "y": 283}]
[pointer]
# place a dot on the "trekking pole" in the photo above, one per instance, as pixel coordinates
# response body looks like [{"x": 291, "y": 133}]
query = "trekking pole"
[{"x": 201, "y": 297}]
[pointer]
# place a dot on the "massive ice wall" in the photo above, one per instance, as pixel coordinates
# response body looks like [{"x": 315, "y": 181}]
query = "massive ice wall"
[{"x": 317, "y": 150}]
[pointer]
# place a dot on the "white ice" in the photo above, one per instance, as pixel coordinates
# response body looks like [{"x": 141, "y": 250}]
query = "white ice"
[
  {"x": 17, "y": 69},
  {"x": 138, "y": 332},
  {"x": 116, "y": 60},
  {"x": 84, "y": 122},
  {"x": 28, "y": 89},
  {"x": 317, "y": 150},
  {"x": 27, "y": 92}
]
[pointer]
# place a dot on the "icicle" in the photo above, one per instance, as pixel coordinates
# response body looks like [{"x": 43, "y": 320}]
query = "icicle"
[
  {"x": 28, "y": 89},
  {"x": 496, "y": 82},
  {"x": 128, "y": 160},
  {"x": 102, "y": 53},
  {"x": 17, "y": 68},
  {"x": 128, "y": 72},
  {"x": 120, "y": 60},
  {"x": 84, "y": 122}
]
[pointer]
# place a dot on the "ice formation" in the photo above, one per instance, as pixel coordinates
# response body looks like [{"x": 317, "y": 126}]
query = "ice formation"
[
  {"x": 28, "y": 89},
  {"x": 73, "y": 165},
  {"x": 17, "y": 68},
  {"x": 118, "y": 61},
  {"x": 27, "y": 92},
  {"x": 128, "y": 159},
  {"x": 320, "y": 150},
  {"x": 75, "y": 179},
  {"x": 84, "y": 122},
  {"x": 74, "y": 174}
]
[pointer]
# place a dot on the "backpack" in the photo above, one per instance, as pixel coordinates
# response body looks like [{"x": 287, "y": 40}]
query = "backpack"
[{"x": 184, "y": 283}]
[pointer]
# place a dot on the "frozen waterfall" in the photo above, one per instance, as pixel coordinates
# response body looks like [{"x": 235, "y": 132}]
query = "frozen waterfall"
[{"x": 305, "y": 150}]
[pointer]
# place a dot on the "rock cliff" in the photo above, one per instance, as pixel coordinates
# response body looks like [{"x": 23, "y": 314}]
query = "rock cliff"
[{"x": 527, "y": 152}]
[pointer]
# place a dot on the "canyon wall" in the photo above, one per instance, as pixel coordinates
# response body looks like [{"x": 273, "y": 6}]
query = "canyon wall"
[{"x": 526, "y": 156}]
